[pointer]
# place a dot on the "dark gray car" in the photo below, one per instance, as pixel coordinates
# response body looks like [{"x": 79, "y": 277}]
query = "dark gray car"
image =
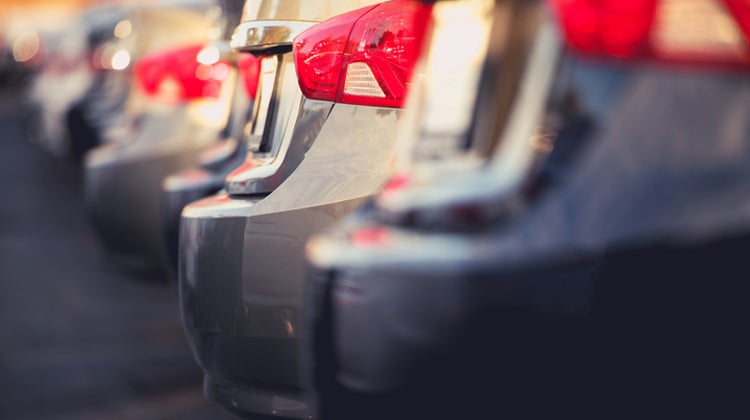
[{"x": 576, "y": 249}]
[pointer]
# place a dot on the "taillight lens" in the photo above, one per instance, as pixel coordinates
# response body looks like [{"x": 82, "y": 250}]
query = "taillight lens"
[
  {"x": 712, "y": 32},
  {"x": 178, "y": 76},
  {"x": 249, "y": 69},
  {"x": 363, "y": 57}
]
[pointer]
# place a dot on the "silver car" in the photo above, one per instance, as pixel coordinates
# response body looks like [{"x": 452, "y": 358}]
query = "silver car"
[
  {"x": 322, "y": 141},
  {"x": 569, "y": 240}
]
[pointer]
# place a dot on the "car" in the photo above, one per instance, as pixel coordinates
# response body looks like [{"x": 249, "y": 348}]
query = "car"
[
  {"x": 177, "y": 108},
  {"x": 321, "y": 142},
  {"x": 71, "y": 72},
  {"x": 566, "y": 235}
]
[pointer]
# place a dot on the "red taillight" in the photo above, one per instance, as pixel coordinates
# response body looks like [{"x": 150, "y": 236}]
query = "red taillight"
[
  {"x": 741, "y": 11},
  {"x": 371, "y": 236},
  {"x": 363, "y": 57},
  {"x": 395, "y": 184},
  {"x": 178, "y": 76},
  {"x": 249, "y": 69},
  {"x": 713, "y": 32}
]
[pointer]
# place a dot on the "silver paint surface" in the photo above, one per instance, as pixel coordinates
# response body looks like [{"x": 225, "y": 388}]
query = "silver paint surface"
[{"x": 242, "y": 258}]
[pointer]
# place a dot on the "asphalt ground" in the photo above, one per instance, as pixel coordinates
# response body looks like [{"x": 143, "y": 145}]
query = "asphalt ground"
[{"x": 79, "y": 337}]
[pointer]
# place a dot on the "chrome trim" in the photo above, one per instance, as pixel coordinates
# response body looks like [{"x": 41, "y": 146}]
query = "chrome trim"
[
  {"x": 269, "y": 68},
  {"x": 262, "y": 35},
  {"x": 272, "y": 128}
]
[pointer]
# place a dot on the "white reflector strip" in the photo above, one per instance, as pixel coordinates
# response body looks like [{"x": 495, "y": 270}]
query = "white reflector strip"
[
  {"x": 361, "y": 82},
  {"x": 696, "y": 27}
]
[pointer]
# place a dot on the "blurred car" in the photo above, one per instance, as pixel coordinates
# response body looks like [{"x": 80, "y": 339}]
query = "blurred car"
[
  {"x": 322, "y": 140},
  {"x": 69, "y": 72},
  {"x": 177, "y": 107},
  {"x": 567, "y": 236},
  {"x": 82, "y": 85}
]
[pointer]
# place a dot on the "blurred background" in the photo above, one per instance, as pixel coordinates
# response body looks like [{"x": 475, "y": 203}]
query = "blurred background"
[{"x": 80, "y": 338}]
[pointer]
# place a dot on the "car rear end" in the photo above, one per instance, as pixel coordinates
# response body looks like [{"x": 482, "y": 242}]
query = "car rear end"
[
  {"x": 178, "y": 106},
  {"x": 317, "y": 150},
  {"x": 580, "y": 252}
]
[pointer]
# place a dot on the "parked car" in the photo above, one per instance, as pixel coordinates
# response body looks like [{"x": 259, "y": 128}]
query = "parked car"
[
  {"x": 177, "y": 108},
  {"x": 70, "y": 71},
  {"x": 322, "y": 141},
  {"x": 568, "y": 236}
]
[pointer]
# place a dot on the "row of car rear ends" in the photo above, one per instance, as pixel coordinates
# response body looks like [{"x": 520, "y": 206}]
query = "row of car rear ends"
[
  {"x": 433, "y": 209},
  {"x": 540, "y": 242}
]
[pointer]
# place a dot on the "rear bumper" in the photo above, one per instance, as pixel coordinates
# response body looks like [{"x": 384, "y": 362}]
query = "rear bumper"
[
  {"x": 648, "y": 327},
  {"x": 243, "y": 339},
  {"x": 382, "y": 309},
  {"x": 241, "y": 278},
  {"x": 253, "y": 401}
]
